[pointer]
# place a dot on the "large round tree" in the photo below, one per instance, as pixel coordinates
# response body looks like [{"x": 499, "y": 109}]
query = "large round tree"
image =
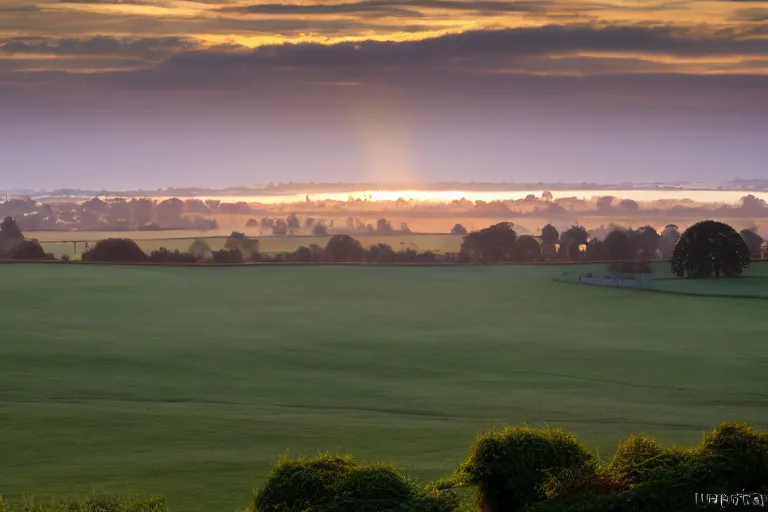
[{"x": 710, "y": 248}]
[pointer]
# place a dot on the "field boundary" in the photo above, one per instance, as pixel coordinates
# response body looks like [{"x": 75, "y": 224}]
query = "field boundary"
[
  {"x": 670, "y": 292},
  {"x": 304, "y": 263}
]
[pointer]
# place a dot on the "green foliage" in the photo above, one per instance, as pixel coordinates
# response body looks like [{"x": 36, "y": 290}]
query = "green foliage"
[
  {"x": 227, "y": 256},
  {"x": 491, "y": 245},
  {"x": 617, "y": 246},
  {"x": 382, "y": 253},
  {"x": 344, "y": 248},
  {"x": 652, "y": 478},
  {"x": 249, "y": 248},
  {"x": 123, "y": 250},
  {"x": 30, "y": 250},
  {"x": 527, "y": 249},
  {"x": 334, "y": 483},
  {"x": 549, "y": 234},
  {"x": 201, "y": 250},
  {"x": 710, "y": 248},
  {"x": 10, "y": 236},
  {"x": 510, "y": 467},
  {"x": 163, "y": 255},
  {"x": 96, "y": 503}
]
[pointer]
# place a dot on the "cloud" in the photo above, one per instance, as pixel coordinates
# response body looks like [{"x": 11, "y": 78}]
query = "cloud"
[
  {"x": 754, "y": 14},
  {"x": 462, "y": 58},
  {"x": 391, "y": 7},
  {"x": 145, "y": 48}
]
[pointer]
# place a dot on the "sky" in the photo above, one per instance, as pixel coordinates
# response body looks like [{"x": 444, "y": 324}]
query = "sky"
[{"x": 126, "y": 94}]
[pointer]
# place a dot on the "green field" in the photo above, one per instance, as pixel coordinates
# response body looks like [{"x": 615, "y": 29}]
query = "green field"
[
  {"x": 190, "y": 382},
  {"x": 73, "y": 243}
]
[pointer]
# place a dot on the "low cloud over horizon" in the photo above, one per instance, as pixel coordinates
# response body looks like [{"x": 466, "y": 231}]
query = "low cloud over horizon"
[{"x": 132, "y": 93}]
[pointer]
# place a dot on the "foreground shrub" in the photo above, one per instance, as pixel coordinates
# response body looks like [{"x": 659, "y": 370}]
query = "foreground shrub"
[
  {"x": 97, "y": 503},
  {"x": 733, "y": 459},
  {"x": 31, "y": 250},
  {"x": 163, "y": 255},
  {"x": 333, "y": 483},
  {"x": 122, "y": 250},
  {"x": 510, "y": 467}
]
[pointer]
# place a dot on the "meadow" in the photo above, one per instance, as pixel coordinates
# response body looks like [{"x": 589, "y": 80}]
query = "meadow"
[{"x": 189, "y": 383}]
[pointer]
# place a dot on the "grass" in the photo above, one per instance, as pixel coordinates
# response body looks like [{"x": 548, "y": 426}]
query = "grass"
[
  {"x": 189, "y": 383},
  {"x": 64, "y": 243}
]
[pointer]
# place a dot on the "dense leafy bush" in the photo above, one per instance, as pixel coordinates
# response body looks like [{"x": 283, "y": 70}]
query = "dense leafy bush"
[
  {"x": 97, "y": 503},
  {"x": 510, "y": 467},
  {"x": 163, "y": 255},
  {"x": 333, "y": 483},
  {"x": 227, "y": 256},
  {"x": 654, "y": 479},
  {"x": 122, "y": 250},
  {"x": 31, "y": 250}
]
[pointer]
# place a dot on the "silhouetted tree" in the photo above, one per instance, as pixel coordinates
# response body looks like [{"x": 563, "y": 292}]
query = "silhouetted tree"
[
  {"x": 571, "y": 240},
  {"x": 319, "y": 230},
  {"x": 384, "y": 227},
  {"x": 645, "y": 242},
  {"x": 252, "y": 223},
  {"x": 629, "y": 204},
  {"x": 142, "y": 211},
  {"x": 302, "y": 254},
  {"x": 752, "y": 204},
  {"x": 122, "y": 250},
  {"x": 266, "y": 222},
  {"x": 248, "y": 247},
  {"x": 549, "y": 234},
  {"x": 605, "y": 203},
  {"x": 10, "y": 236},
  {"x": 596, "y": 250},
  {"x": 196, "y": 206},
  {"x": 754, "y": 243},
  {"x": 292, "y": 221},
  {"x": 164, "y": 255},
  {"x": 527, "y": 249},
  {"x": 458, "y": 229},
  {"x": 404, "y": 228},
  {"x": 668, "y": 240},
  {"x": 168, "y": 213},
  {"x": 547, "y": 195},
  {"x": 30, "y": 250},
  {"x": 492, "y": 244},
  {"x": 280, "y": 227},
  {"x": 382, "y": 253},
  {"x": 617, "y": 246},
  {"x": 201, "y": 250},
  {"x": 344, "y": 248},
  {"x": 710, "y": 248}
]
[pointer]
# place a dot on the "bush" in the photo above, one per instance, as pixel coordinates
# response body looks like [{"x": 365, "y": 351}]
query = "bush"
[
  {"x": 344, "y": 248},
  {"x": 97, "y": 503},
  {"x": 122, "y": 250},
  {"x": 333, "y": 483},
  {"x": 302, "y": 484},
  {"x": 302, "y": 254},
  {"x": 733, "y": 458},
  {"x": 510, "y": 467},
  {"x": 227, "y": 256},
  {"x": 163, "y": 255},
  {"x": 30, "y": 250}
]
